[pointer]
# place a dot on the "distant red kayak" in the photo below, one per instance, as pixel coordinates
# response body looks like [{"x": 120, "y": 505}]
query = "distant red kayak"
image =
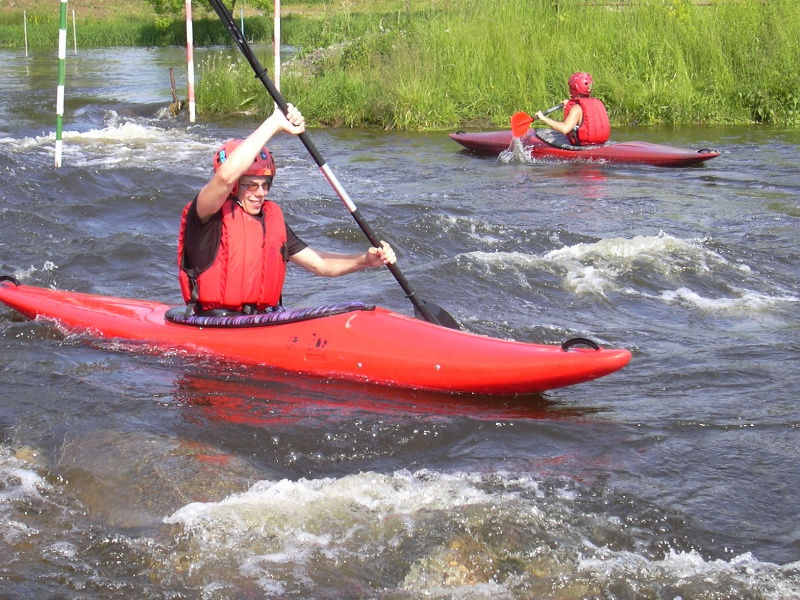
[
  {"x": 350, "y": 342},
  {"x": 556, "y": 147}
]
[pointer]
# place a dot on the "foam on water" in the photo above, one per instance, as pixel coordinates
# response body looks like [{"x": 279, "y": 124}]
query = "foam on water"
[
  {"x": 666, "y": 253},
  {"x": 450, "y": 535},
  {"x": 402, "y": 492},
  {"x": 20, "y": 484},
  {"x": 613, "y": 266},
  {"x": 125, "y": 141},
  {"x": 743, "y": 573},
  {"x": 463, "y": 535},
  {"x": 22, "y": 275},
  {"x": 748, "y": 301}
]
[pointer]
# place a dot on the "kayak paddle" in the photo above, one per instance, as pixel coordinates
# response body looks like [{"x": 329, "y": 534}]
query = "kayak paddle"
[
  {"x": 521, "y": 122},
  {"x": 426, "y": 311}
]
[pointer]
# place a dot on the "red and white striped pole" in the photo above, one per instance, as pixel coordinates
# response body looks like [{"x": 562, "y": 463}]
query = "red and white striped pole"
[
  {"x": 62, "y": 56},
  {"x": 190, "y": 59}
]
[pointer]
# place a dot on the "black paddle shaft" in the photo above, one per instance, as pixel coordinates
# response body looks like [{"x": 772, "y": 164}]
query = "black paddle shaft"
[{"x": 261, "y": 73}]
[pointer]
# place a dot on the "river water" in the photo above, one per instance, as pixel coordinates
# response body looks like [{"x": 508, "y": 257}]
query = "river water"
[{"x": 126, "y": 474}]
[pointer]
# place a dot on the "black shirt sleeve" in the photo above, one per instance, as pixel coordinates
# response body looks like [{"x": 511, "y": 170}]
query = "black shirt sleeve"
[
  {"x": 293, "y": 243},
  {"x": 201, "y": 240}
]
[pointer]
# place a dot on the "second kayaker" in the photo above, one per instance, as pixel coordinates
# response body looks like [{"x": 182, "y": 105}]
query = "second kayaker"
[{"x": 585, "y": 118}]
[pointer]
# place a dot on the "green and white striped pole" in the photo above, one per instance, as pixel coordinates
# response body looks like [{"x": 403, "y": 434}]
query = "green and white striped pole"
[{"x": 62, "y": 55}]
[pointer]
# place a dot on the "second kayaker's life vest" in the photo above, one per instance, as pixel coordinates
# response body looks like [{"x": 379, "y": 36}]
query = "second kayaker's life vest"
[
  {"x": 595, "y": 128},
  {"x": 249, "y": 268}
]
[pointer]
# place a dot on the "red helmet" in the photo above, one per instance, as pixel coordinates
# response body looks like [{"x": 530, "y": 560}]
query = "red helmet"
[
  {"x": 263, "y": 164},
  {"x": 580, "y": 84}
]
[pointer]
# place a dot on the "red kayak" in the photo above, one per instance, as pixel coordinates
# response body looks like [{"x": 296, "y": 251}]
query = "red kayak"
[
  {"x": 350, "y": 342},
  {"x": 555, "y": 146}
]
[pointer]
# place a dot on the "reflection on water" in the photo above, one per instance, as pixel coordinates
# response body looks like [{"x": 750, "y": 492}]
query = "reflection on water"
[{"x": 222, "y": 394}]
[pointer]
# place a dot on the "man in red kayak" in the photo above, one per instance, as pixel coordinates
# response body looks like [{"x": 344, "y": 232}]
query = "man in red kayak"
[
  {"x": 233, "y": 244},
  {"x": 585, "y": 118}
]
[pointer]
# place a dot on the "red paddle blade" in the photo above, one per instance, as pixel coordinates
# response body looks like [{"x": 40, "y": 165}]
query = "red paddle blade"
[{"x": 520, "y": 123}]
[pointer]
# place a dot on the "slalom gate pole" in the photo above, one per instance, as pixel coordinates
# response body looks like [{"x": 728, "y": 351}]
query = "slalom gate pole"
[
  {"x": 25, "y": 29},
  {"x": 190, "y": 60},
  {"x": 62, "y": 55},
  {"x": 74, "y": 33},
  {"x": 276, "y": 45}
]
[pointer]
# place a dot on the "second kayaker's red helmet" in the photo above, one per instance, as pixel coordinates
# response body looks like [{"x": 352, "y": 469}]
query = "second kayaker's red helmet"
[
  {"x": 263, "y": 165},
  {"x": 580, "y": 84}
]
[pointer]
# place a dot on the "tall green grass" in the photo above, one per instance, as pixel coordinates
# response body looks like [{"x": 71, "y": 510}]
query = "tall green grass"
[
  {"x": 479, "y": 61},
  {"x": 735, "y": 61}
]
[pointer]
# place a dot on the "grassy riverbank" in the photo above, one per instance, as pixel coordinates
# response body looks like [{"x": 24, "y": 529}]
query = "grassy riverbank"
[
  {"x": 482, "y": 60},
  {"x": 105, "y": 23},
  {"x": 439, "y": 64}
]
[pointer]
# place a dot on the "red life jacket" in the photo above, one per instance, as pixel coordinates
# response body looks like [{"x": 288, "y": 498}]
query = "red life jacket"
[
  {"x": 595, "y": 128},
  {"x": 249, "y": 267}
]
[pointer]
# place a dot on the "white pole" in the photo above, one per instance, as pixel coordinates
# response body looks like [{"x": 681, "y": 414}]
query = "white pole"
[
  {"x": 190, "y": 59},
  {"x": 276, "y": 45},
  {"x": 241, "y": 20},
  {"x": 25, "y": 28},
  {"x": 74, "y": 33}
]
